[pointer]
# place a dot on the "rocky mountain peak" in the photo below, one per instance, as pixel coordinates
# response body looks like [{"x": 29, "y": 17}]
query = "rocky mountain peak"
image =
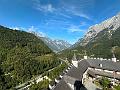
[
  {"x": 56, "y": 45},
  {"x": 111, "y": 23}
]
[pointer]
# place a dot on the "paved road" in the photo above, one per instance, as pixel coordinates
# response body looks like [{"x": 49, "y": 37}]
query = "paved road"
[{"x": 30, "y": 82}]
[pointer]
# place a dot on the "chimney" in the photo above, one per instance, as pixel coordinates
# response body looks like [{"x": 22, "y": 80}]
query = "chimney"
[
  {"x": 85, "y": 57},
  {"x": 57, "y": 81},
  {"x": 114, "y": 59},
  {"x": 50, "y": 87},
  {"x": 61, "y": 76}
]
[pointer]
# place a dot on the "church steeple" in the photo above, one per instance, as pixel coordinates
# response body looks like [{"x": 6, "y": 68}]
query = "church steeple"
[
  {"x": 75, "y": 61},
  {"x": 74, "y": 57},
  {"x": 85, "y": 55}
]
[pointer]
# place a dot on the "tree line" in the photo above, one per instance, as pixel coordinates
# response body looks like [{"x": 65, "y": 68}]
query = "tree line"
[{"x": 22, "y": 57}]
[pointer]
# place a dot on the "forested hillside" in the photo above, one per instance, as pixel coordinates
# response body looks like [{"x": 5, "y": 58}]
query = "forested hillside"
[
  {"x": 101, "y": 40},
  {"x": 99, "y": 46},
  {"x": 22, "y": 56},
  {"x": 103, "y": 43}
]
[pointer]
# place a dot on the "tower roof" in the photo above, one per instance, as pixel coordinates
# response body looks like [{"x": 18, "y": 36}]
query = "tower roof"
[{"x": 74, "y": 57}]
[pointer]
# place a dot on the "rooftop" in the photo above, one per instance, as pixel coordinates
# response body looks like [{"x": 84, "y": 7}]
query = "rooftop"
[{"x": 76, "y": 73}]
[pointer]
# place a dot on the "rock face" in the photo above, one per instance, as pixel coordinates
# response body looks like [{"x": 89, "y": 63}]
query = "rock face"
[
  {"x": 112, "y": 24},
  {"x": 101, "y": 40},
  {"x": 56, "y": 45}
]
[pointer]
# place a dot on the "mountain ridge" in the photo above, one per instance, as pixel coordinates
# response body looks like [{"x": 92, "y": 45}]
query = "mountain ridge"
[
  {"x": 56, "y": 45},
  {"x": 111, "y": 23},
  {"x": 98, "y": 43}
]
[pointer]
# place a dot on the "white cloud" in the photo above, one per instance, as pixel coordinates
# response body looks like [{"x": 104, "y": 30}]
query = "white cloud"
[
  {"x": 58, "y": 22},
  {"x": 82, "y": 15},
  {"x": 43, "y": 7},
  {"x": 31, "y": 29},
  {"x": 83, "y": 23},
  {"x": 36, "y": 31},
  {"x": 17, "y": 28},
  {"x": 78, "y": 8},
  {"x": 65, "y": 15},
  {"x": 77, "y": 28},
  {"x": 79, "y": 13},
  {"x": 74, "y": 28},
  {"x": 66, "y": 9},
  {"x": 49, "y": 8}
]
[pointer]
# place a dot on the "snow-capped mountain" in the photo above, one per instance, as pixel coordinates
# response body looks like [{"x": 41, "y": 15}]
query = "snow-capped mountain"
[
  {"x": 112, "y": 24},
  {"x": 56, "y": 45}
]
